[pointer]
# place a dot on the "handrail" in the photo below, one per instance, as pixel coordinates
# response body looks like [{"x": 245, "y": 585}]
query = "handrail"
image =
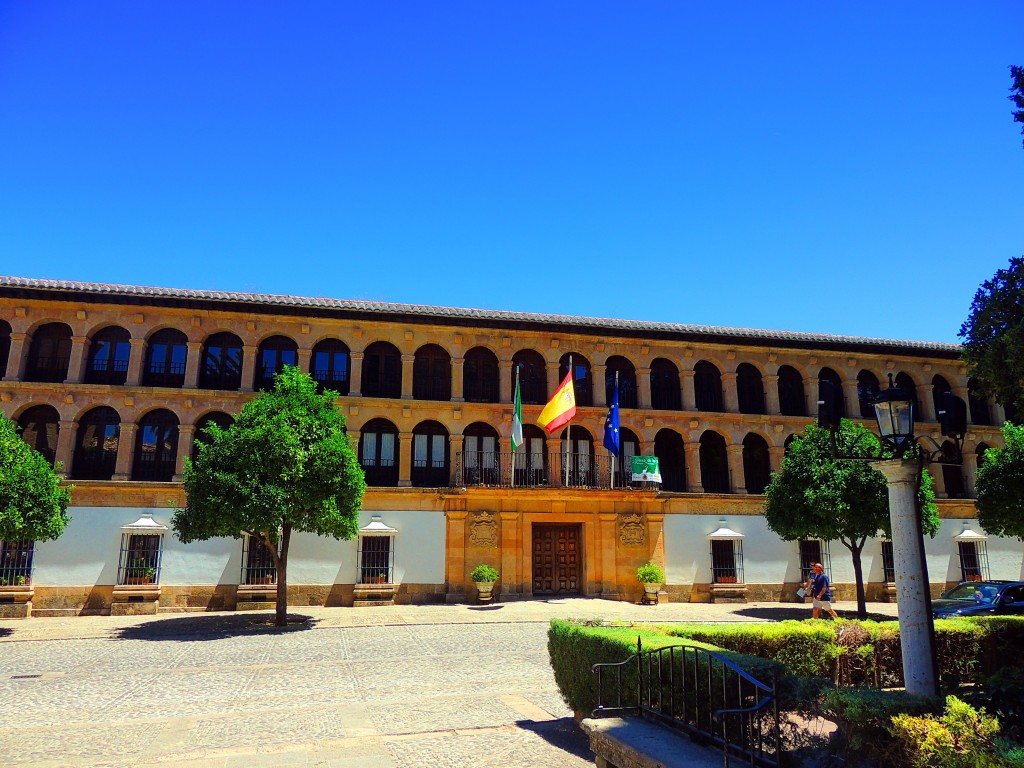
[{"x": 679, "y": 686}]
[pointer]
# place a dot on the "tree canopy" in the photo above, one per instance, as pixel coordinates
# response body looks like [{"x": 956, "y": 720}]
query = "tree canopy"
[
  {"x": 1000, "y": 486},
  {"x": 994, "y": 335},
  {"x": 33, "y": 505},
  {"x": 817, "y": 496},
  {"x": 1017, "y": 93},
  {"x": 285, "y": 464}
]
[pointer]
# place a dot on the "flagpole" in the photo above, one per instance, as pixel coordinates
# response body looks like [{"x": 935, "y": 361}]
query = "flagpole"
[
  {"x": 514, "y": 398},
  {"x": 568, "y": 432},
  {"x": 614, "y": 456}
]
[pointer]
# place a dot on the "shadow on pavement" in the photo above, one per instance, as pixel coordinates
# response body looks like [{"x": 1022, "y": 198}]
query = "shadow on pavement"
[
  {"x": 799, "y": 613},
  {"x": 486, "y": 607},
  {"x": 562, "y": 733},
  {"x": 214, "y": 627},
  {"x": 5, "y": 631}
]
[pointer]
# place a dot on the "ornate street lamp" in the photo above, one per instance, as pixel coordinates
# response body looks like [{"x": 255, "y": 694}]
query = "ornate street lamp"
[{"x": 901, "y": 456}]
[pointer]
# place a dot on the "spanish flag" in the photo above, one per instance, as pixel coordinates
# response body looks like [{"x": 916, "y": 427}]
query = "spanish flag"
[{"x": 560, "y": 408}]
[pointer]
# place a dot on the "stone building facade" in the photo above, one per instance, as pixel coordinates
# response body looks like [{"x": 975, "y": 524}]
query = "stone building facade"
[{"x": 116, "y": 383}]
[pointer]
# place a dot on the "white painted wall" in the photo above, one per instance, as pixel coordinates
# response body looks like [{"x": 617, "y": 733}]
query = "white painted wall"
[
  {"x": 769, "y": 560},
  {"x": 86, "y": 554}
]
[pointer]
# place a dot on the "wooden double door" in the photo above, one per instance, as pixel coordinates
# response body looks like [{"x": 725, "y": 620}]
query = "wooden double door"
[{"x": 557, "y": 559}]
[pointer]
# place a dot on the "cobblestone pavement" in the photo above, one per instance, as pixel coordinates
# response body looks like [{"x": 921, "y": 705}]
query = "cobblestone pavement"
[{"x": 395, "y": 687}]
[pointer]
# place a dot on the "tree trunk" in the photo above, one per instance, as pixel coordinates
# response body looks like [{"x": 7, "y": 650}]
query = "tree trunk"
[
  {"x": 281, "y": 619},
  {"x": 858, "y": 576}
]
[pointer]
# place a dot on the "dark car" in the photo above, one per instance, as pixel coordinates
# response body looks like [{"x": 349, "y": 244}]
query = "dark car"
[{"x": 981, "y": 598}]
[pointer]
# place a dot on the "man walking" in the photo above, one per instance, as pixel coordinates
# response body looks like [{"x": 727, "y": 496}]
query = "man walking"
[{"x": 821, "y": 592}]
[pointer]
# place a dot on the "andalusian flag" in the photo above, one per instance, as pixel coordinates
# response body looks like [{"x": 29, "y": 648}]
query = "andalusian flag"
[
  {"x": 517, "y": 419},
  {"x": 561, "y": 407}
]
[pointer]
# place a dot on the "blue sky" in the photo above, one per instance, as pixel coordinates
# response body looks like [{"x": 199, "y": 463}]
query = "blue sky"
[{"x": 833, "y": 167}]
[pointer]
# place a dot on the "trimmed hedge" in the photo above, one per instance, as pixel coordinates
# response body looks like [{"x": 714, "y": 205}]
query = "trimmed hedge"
[{"x": 575, "y": 647}]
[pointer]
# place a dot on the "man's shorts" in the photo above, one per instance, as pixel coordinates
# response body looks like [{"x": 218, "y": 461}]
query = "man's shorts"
[{"x": 826, "y": 604}]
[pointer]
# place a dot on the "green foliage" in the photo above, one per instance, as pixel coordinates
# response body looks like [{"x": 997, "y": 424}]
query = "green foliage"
[
  {"x": 284, "y": 464},
  {"x": 1017, "y": 93},
  {"x": 805, "y": 648},
  {"x": 993, "y": 335},
  {"x": 575, "y": 647},
  {"x": 962, "y": 737},
  {"x": 33, "y": 505},
  {"x": 1000, "y": 485},
  {"x": 816, "y": 496},
  {"x": 864, "y": 717},
  {"x": 285, "y": 460},
  {"x": 650, "y": 573},
  {"x": 484, "y": 573}
]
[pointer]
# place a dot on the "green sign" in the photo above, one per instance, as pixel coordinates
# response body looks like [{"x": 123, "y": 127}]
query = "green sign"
[{"x": 645, "y": 469}]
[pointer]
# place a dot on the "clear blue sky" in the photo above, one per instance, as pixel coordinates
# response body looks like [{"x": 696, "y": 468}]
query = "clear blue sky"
[{"x": 834, "y": 167}]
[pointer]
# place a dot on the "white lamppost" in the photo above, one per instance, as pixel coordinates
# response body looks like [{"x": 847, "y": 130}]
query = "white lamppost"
[{"x": 901, "y": 459}]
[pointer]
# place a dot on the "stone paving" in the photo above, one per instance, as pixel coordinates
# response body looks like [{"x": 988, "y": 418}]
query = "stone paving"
[{"x": 394, "y": 687}]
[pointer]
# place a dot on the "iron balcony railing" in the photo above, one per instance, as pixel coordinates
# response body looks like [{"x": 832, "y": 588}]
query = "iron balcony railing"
[
  {"x": 696, "y": 691},
  {"x": 533, "y": 470}
]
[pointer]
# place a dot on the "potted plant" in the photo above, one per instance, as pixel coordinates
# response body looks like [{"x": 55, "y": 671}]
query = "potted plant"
[
  {"x": 150, "y": 577},
  {"x": 652, "y": 576},
  {"x": 484, "y": 577}
]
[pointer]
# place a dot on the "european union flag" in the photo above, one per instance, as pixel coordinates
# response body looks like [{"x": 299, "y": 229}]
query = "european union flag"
[{"x": 611, "y": 424}]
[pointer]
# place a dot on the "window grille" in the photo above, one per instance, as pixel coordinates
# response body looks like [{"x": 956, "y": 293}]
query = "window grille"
[
  {"x": 257, "y": 562},
  {"x": 166, "y": 358},
  {"x": 139, "y": 562},
  {"x": 727, "y": 561},
  {"x": 331, "y": 366},
  {"x": 16, "y": 563},
  {"x": 814, "y": 551},
  {"x": 376, "y": 553},
  {"x": 973, "y": 560},
  {"x": 888, "y": 563}
]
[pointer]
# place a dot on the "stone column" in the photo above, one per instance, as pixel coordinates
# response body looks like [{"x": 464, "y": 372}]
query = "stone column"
[
  {"x": 852, "y": 398},
  {"x": 938, "y": 481},
  {"x": 556, "y": 475},
  {"x": 135, "y": 361},
  {"x": 248, "y": 368},
  {"x": 970, "y": 472},
  {"x": 925, "y": 404},
  {"x": 913, "y": 593},
  {"x": 737, "y": 480},
  {"x": 811, "y": 396},
  {"x": 643, "y": 388},
  {"x": 771, "y": 394},
  {"x": 455, "y": 559},
  {"x": 689, "y": 392},
  {"x": 76, "y": 366},
  {"x": 597, "y": 375},
  {"x": 125, "y": 451},
  {"x": 730, "y": 395},
  {"x": 303, "y": 358},
  {"x": 193, "y": 361},
  {"x": 998, "y": 413},
  {"x": 511, "y": 546},
  {"x": 404, "y": 459},
  {"x": 458, "y": 379},
  {"x": 455, "y": 451},
  {"x": 776, "y": 453},
  {"x": 407, "y": 365},
  {"x": 553, "y": 380},
  {"x": 693, "y": 478},
  {"x": 607, "y": 523},
  {"x": 67, "y": 432},
  {"x": 356, "y": 373},
  {"x": 16, "y": 358},
  {"x": 186, "y": 437},
  {"x": 505, "y": 393}
]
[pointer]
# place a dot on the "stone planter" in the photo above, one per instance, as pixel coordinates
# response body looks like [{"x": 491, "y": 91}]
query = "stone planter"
[
  {"x": 651, "y": 591},
  {"x": 484, "y": 590}
]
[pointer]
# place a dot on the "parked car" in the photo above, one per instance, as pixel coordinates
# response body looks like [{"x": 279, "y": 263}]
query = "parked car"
[{"x": 981, "y": 598}]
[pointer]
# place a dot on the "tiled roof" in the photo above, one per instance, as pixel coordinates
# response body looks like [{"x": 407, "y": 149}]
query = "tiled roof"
[{"x": 709, "y": 333}]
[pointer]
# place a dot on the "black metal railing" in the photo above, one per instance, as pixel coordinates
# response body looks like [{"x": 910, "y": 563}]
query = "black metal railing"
[
  {"x": 16, "y": 563},
  {"x": 696, "y": 691},
  {"x": 164, "y": 374},
  {"x": 47, "y": 369},
  {"x": 574, "y": 470}
]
